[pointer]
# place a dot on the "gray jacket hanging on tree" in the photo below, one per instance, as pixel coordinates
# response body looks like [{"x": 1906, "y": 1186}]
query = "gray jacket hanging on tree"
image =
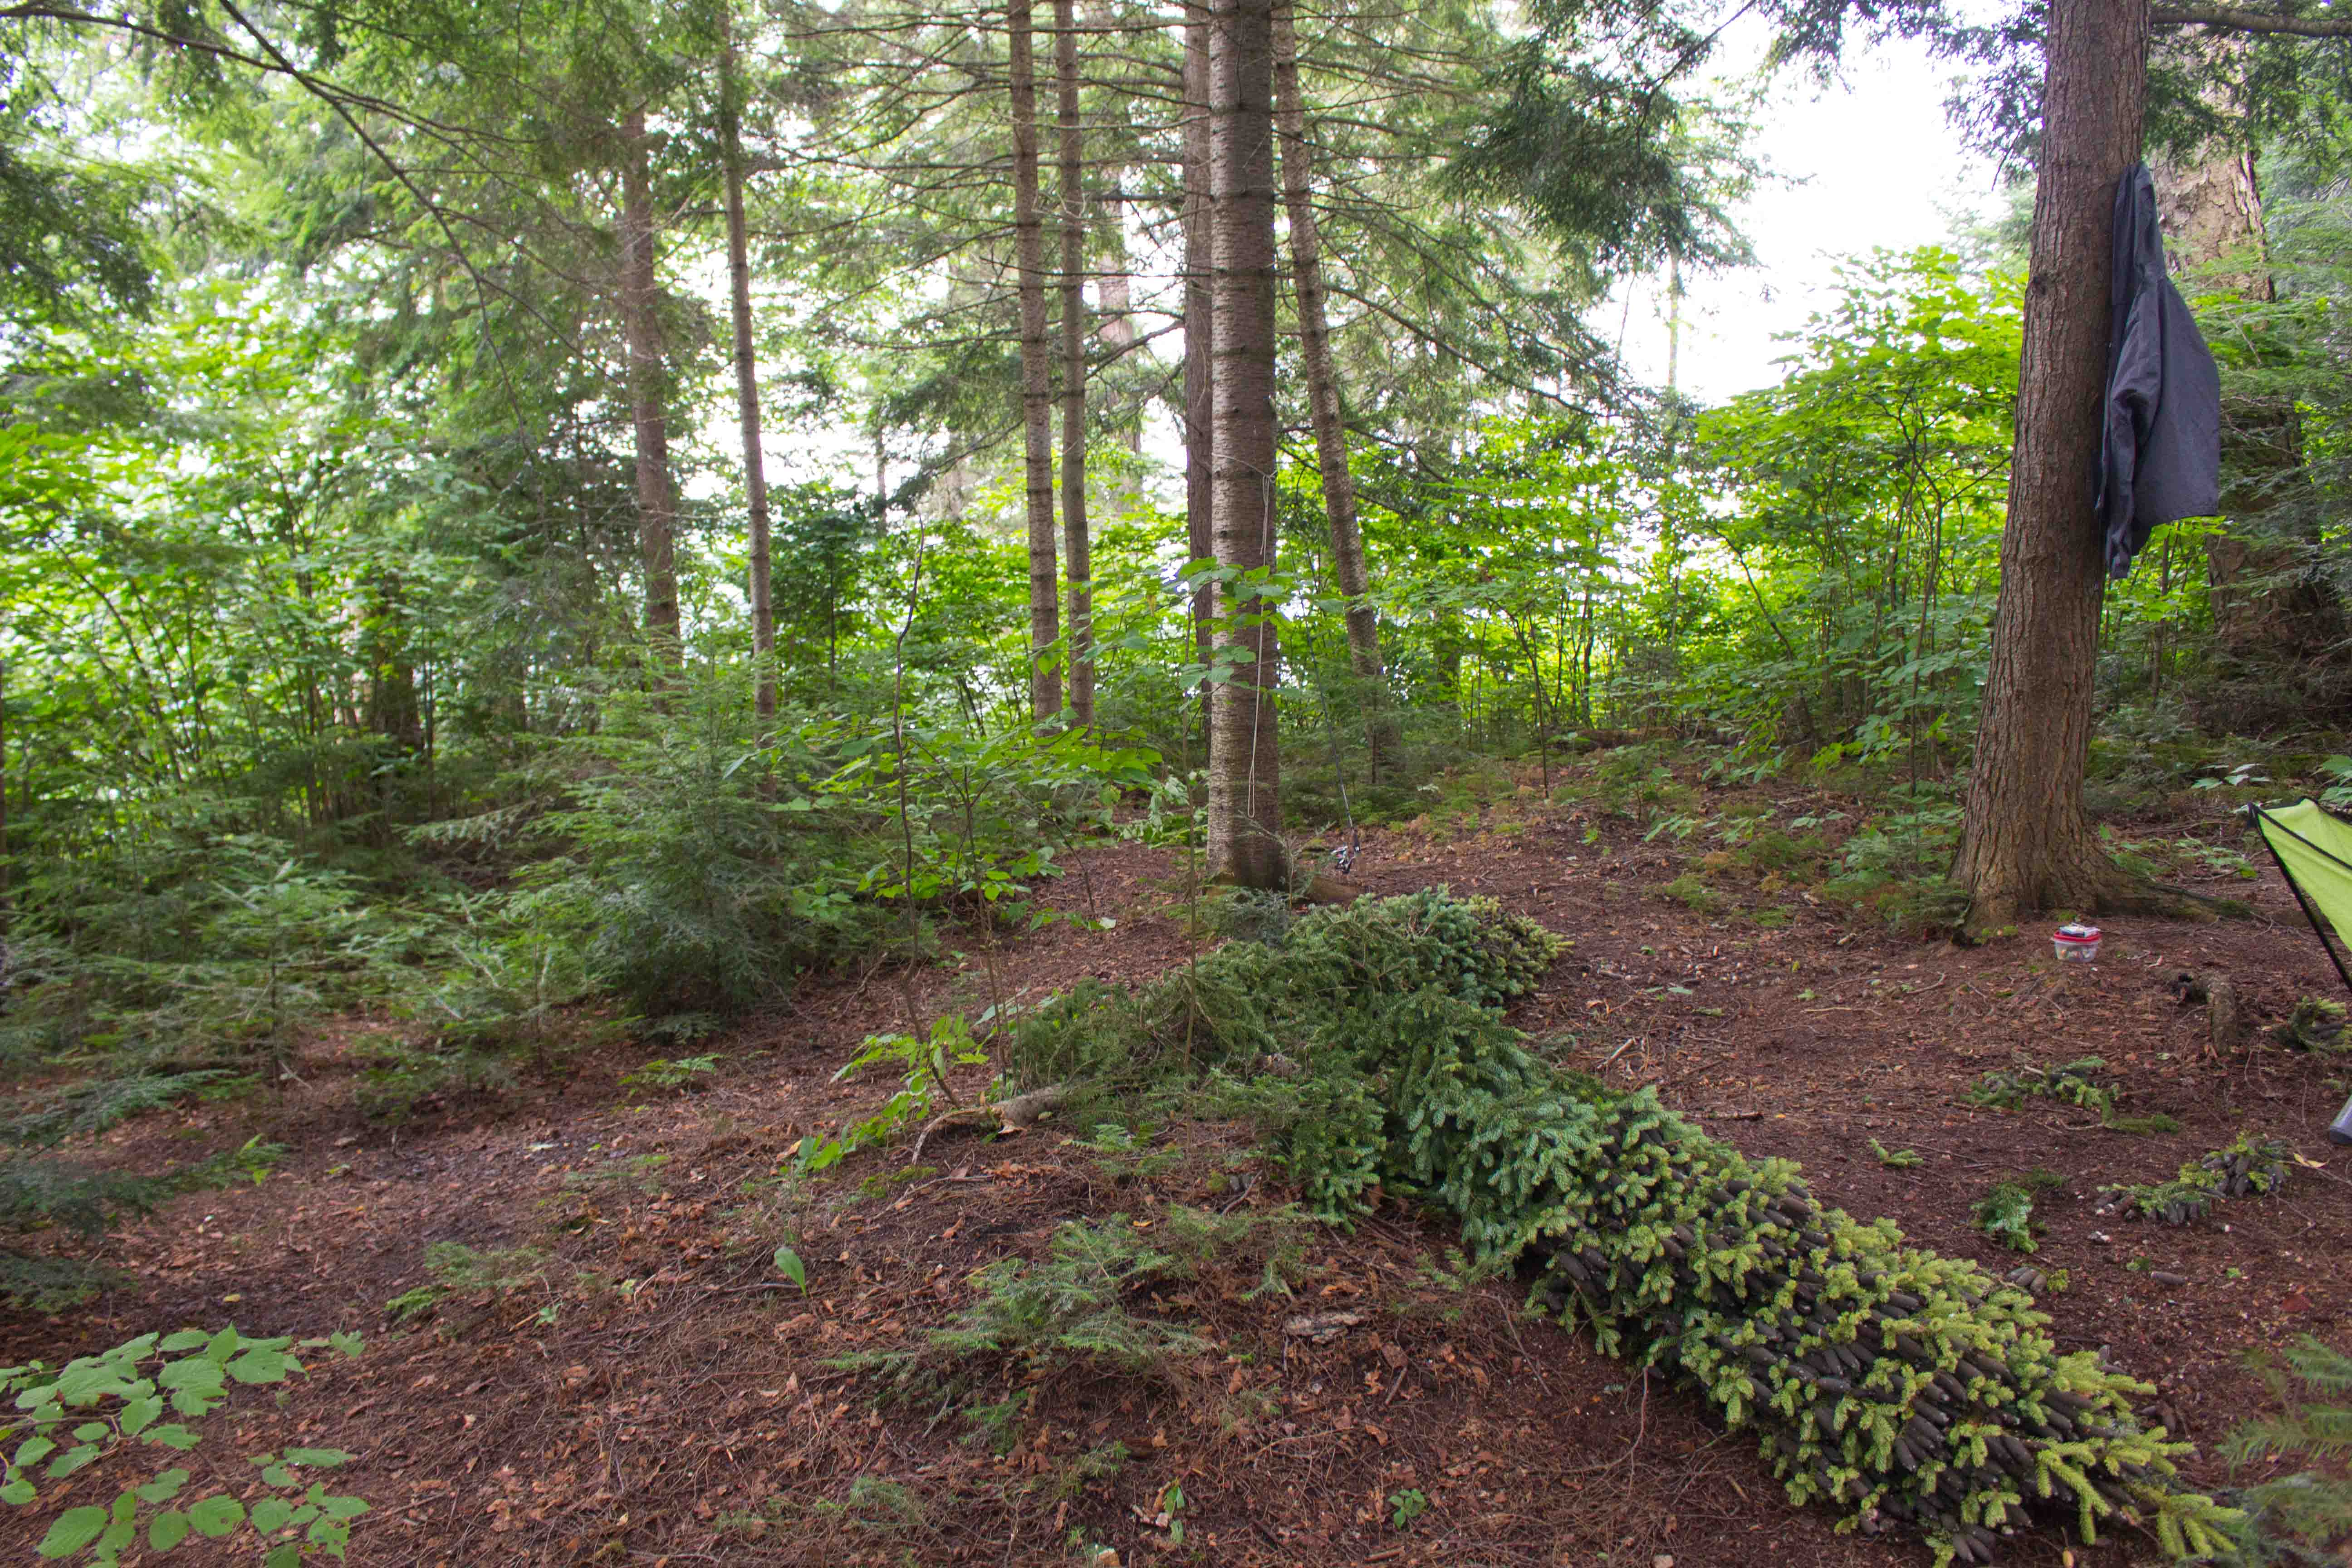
[{"x": 2161, "y": 451}]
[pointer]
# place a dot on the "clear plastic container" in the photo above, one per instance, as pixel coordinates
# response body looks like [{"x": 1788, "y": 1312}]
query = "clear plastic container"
[{"x": 2076, "y": 944}]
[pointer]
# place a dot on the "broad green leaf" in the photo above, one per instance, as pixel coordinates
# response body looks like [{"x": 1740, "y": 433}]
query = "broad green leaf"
[
  {"x": 325, "y": 1458},
  {"x": 263, "y": 1366},
  {"x": 186, "y": 1339},
  {"x": 73, "y": 1530},
  {"x": 221, "y": 1346},
  {"x": 285, "y": 1554},
  {"x": 164, "y": 1487},
  {"x": 788, "y": 1264},
  {"x": 172, "y": 1434},
  {"x": 74, "y": 1459},
  {"x": 167, "y": 1530},
  {"x": 140, "y": 1413},
  {"x": 272, "y": 1515},
  {"x": 217, "y": 1516},
  {"x": 19, "y": 1492},
  {"x": 32, "y": 1450},
  {"x": 195, "y": 1372}
]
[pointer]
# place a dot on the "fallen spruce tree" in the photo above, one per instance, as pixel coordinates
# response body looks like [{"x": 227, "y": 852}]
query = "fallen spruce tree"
[{"x": 1892, "y": 1384}]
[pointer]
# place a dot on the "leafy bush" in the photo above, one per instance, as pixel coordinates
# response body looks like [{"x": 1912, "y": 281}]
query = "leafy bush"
[
  {"x": 97, "y": 1406},
  {"x": 1240, "y": 1003},
  {"x": 923, "y": 1064},
  {"x": 188, "y": 944},
  {"x": 683, "y": 884}
]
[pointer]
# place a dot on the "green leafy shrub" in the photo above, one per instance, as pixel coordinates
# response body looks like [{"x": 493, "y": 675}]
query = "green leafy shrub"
[
  {"x": 683, "y": 884},
  {"x": 97, "y": 1406},
  {"x": 1770, "y": 850},
  {"x": 923, "y": 1064},
  {"x": 1240, "y": 1003}
]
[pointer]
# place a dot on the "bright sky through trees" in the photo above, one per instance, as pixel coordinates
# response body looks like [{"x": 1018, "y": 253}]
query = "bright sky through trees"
[{"x": 1866, "y": 163}]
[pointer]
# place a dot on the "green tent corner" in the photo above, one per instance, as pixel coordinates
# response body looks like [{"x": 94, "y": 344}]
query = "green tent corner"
[{"x": 2313, "y": 851}]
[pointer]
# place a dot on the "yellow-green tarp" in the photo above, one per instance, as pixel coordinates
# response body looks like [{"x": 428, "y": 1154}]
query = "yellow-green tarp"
[{"x": 2315, "y": 850}]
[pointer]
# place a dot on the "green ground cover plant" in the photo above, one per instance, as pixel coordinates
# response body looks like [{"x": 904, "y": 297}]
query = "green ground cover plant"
[
  {"x": 1893, "y": 1384},
  {"x": 144, "y": 1394}
]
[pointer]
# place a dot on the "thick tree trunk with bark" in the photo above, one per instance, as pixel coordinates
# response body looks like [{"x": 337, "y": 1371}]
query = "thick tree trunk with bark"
[
  {"x": 648, "y": 378},
  {"x": 1037, "y": 374},
  {"x": 1073, "y": 366},
  {"x": 2026, "y": 843},
  {"x": 1244, "y": 822},
  {"x": 1199, "y": 318},
  {"x": 747, "y": 380},
  {"x": 1323, "y": 400}
]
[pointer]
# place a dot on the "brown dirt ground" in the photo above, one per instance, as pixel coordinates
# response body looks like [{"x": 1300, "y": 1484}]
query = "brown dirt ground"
[{"x": 655, "y": 1377}]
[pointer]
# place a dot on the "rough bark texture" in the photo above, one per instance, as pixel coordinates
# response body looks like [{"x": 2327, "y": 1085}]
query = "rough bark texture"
[
  {"x": 1323, "y": 400},
  {"x": 656, "y": 511},
  {"x": 2208, "y": 203},
  {"x": 1200, "y": 318},
  {"x": 747, "y": 382},
  {"x": 1073, "y": 366},
  {"x": 1037, "y": 374},
  {"x": 2279, "y": 622},
  {"x": 1245, "y": 823},
  {"x": 2211, "y": 210},
  {"x": 2026, "y": 842}
]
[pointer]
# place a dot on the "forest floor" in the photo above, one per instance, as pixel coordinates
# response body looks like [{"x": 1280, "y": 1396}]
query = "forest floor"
[{"x": 646, "y": 1388}]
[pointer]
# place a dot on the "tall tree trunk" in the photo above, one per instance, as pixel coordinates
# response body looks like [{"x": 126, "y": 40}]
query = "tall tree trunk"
[
  {"x": 1323, "y": 400},
  {"x": 5, "y": 865},
  {"x": 656, "y": 511},
  {"x": 1244, "y": 820},
  {"x": 747, "y": 377},
  {"x": 2026, "y": 842},
  {"x": 1037, "y": 374},
  {"x": 1073, "y": 366},
  {"x": 1199, "y": 318}
]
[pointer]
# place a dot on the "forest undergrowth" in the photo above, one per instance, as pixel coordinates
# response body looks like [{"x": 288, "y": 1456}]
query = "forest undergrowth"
[{"x": 1147, "y": 1191}]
